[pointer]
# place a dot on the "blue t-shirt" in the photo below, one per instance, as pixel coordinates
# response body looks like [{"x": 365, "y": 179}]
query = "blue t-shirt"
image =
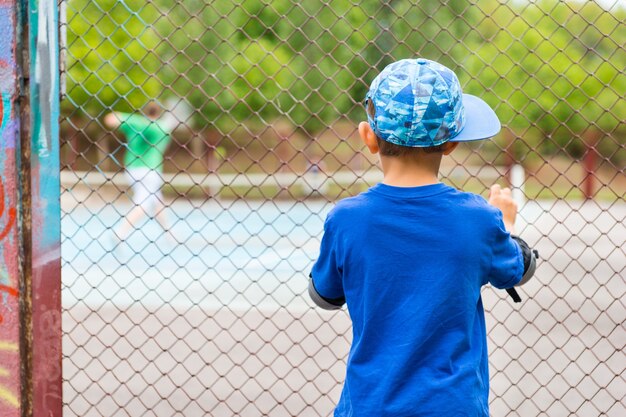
[{"x": 410, "y": 263}]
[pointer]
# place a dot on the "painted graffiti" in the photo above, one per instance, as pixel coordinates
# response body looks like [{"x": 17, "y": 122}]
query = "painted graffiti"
[
  {"x": 8, "y": 395},
  {"x": 44, "y": 106},
  {"x": 46, "y": 57},
  {"x": 11, "y": 214},
  {"x": 9, "y": 293},
  {"x": 46, "y": 212}
]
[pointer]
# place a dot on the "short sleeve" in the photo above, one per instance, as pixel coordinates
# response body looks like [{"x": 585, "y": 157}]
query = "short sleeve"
[
  {"x": 327, "y": 271},
  {"x": 507, "y": 262},
  {"x": 132, "y": 124}
]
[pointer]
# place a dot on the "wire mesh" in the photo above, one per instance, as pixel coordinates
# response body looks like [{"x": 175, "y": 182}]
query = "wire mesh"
[{"x": 185, "y": 294}]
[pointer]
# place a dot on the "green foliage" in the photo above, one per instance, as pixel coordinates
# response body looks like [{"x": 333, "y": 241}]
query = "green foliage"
[
  {"x": 552, "y": 69},
  {"x": 555, "y": 67},
  {"x": 111, "y": 63}
]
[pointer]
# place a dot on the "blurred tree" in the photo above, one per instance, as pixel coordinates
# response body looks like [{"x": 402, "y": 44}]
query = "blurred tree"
[
  {"x": 111, "y": 61},
  {"x": 226, "y": 59},
  {"x": 553, "y": 70},
  {"x": 550, "y": 68}
]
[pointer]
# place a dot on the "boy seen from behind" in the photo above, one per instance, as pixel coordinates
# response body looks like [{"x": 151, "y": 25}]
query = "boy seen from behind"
[{"x": 410, "y": 255}]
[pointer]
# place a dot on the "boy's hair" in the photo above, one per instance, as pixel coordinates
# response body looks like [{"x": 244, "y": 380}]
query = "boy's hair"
[
  {"x": 391, "y": 149},
  {"x": 152, "y": 110}
]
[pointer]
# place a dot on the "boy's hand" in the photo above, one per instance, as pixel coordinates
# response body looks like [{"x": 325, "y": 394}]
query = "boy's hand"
[
  {"x": 501, "y": 198},
  {"x": 112, "y": 120}
]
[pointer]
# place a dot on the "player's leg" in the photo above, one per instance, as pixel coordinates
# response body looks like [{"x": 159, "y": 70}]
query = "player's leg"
[
  {"x": 154, "y": 183},
  {"x": 161, "y": 218},
  {"x": 140, "y": 195},
  {"x": 129, "y": 221}
]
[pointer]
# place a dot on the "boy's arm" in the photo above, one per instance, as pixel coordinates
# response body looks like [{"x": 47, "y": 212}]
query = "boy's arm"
[
  {"x": 112, "y": 120},
  {"x": 530, "y": 260},
  {"x": 502, "y": 199},
  {"x": 123, "y": 121},
  {"x": 324, "y": 302},
  {"x": 325, "y": 281}
]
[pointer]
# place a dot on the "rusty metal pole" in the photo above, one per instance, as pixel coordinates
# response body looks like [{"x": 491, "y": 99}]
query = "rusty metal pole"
[
  {"x": 589, "y": 162},
  {"x": 45, "y": 211},
  {"x": 30, "y": 267}
]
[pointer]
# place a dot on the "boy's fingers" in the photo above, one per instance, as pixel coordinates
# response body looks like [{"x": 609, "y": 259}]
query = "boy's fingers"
[
  {"x": 494, "y": 190},
  {"x": 506, "y": 192}
]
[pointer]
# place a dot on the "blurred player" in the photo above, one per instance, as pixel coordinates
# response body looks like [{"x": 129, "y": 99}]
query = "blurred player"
[{"x": 147, "y": 138}]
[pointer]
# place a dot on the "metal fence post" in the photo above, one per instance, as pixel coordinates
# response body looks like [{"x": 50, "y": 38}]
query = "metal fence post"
[
  {"x": 591, "y": 139},
  {"x": 30, "y": 269},
  {"x": 45, "y": 228}
]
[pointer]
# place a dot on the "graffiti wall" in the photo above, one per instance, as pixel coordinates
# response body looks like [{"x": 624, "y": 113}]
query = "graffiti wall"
[
  {"x": 43, "y": 24},
  {"x": 9, "y": 150},
  {"x": 40, "y": 20}
]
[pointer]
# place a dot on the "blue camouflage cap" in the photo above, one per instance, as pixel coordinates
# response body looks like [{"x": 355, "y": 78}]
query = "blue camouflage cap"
[{"x": 419, "y": 103}]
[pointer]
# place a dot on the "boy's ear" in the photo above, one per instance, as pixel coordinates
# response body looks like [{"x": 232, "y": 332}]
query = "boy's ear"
[
  {"x": 368, "y": 137},
  {"x": 449, "y": 147}
]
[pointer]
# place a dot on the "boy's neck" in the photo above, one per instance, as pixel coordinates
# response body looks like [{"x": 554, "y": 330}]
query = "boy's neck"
[{"x": 415, "y": 171}]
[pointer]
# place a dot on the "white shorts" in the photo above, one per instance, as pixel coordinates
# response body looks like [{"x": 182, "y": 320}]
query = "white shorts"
[{"x": 145, "y": 185}]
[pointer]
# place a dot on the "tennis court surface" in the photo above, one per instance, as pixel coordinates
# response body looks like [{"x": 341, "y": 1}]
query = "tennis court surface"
[{"x": 217, "y": 322}]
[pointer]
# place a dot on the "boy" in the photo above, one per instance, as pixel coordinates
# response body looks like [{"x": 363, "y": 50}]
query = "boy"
[
  {"x": 410, "y": 255},
  {"x": 148, "y": 136}
]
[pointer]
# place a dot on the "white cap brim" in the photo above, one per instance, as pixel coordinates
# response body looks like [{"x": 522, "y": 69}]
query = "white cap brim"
[{"x": 481, "y": 122}]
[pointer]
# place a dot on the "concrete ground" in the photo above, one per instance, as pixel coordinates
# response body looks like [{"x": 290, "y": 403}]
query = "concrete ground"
[{"x": 215, "y": 320}]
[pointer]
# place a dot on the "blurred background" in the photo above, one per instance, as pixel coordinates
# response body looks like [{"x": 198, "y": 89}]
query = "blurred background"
[
  {"x": 265, "y": 86},
  {"x": 212, "y": 317}
]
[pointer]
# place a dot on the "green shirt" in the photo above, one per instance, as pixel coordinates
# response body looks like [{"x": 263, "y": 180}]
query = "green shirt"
[{"x": 147, "y": 141}]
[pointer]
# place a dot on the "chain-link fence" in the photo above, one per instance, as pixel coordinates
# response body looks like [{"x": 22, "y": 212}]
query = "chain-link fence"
[{"x": 185, "y": 262}]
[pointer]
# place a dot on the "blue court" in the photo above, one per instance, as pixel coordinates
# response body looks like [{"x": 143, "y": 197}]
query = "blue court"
[
  {"x": 259, "y": 253},
  {"x": 235, "y": 253}
]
